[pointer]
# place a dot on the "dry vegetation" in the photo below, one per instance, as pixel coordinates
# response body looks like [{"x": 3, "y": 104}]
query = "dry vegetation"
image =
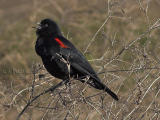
[{"x": 119, "y": 37}]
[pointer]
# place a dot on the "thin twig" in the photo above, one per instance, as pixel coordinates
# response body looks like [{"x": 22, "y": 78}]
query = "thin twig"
[
  {"x": 93, "y": 39},
  {"x": 46, "y": 91}
]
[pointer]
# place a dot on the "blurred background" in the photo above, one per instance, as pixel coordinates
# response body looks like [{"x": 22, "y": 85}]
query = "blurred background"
[{"x": 118, "y": 37}]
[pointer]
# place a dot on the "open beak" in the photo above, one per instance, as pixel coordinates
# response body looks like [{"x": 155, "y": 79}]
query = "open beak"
[{"x": 38, "y": 26}]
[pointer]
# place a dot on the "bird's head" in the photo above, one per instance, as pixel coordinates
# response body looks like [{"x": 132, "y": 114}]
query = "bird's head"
[{"x": 47, "y": 27}]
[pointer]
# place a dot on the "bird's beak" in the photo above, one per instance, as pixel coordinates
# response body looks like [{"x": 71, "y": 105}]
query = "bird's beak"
[{"x": 38, "y": 26}]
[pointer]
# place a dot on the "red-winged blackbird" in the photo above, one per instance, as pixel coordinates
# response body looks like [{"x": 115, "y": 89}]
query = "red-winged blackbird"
[{"x": 62, "y": 59}]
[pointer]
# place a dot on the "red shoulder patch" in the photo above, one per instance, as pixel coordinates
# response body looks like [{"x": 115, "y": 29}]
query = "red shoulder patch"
[{"x": 61, "y": 43}]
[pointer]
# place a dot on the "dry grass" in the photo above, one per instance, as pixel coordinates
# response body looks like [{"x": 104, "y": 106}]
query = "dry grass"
[{"x": 121, "y": 40}]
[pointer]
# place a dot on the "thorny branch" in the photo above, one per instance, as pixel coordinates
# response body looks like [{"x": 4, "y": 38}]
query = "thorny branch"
[
  {"x": 36, "y": 97},
  {"x": 130, "y": 71}
]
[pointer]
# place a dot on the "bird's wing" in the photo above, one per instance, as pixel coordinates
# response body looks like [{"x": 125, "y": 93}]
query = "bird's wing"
[
  {"x": 75, "y": 58},
  {"x": 78, "y": 62}
]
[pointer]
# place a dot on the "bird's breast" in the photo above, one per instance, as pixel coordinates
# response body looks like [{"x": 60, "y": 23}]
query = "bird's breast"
[{"x": 56, "y": 67}]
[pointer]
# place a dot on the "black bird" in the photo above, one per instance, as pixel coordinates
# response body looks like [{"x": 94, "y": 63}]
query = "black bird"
[{"x": 62, "y": 59}]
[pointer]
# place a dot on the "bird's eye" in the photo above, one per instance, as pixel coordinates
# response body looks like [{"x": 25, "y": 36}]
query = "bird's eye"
[{"x": 46, "y": 25}]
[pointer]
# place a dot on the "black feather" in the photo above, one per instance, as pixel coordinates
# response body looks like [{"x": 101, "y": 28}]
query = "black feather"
[{"x": 50, "y": 46}]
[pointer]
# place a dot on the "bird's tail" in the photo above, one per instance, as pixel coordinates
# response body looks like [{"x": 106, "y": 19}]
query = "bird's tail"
[
  {"x": 101, "y": 86},
  {"x": 111, "y": 93}
]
